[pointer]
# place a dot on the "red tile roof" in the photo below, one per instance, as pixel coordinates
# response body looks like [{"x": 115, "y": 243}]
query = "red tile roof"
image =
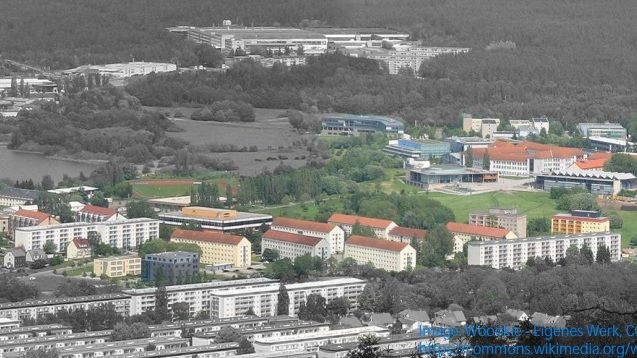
[
  {"x": 408, "y": 232},
  {"x": 594, "y": 161},
  {"x": 98, "y": 210},
  {"x": 461, "y": 228},
  {"x": 363, "y": 221},
  {"x": 81, "y": 243},
  {"x": 522, "y": 151},
  {"x": 376, "y": 243},
  {"x": 206, "y": 236},
  {"x": 290, "y": 237},
  {"x": 37, "y": 215},
  {"x": 303, "y": 224}
]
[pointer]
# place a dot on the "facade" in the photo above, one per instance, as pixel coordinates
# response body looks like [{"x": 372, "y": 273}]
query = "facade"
[
  {"x": 488, "y": 127},
  {"x": 607, "y": 130},
  {"x": 41, "y": 307},
  {"x": 418, "y": 149},
  {"x": 333, "y": 233},
  {"x": 397, "y": 345},
  {"x": 381, "y": 227},
  {"x": 504, "y": 218},
  {"x": 78, "y": 249},
  {"x": 217, "y": 247},
  {"x": 515, "y": 253},
  {"x": 15, "y": 258},
  {"x": 476, "y": 125},
  {"x": 597, "y": 182},
  {"x": 173, "y": 267},
  {"x": 406, "y": 234},
  {"x": 445, "y": 174},
  {"x": 402, "y": 57},
  {"x": 384, "y": 254},
  {"x": 266, "y": 331},
  {"x": 92, "y": 213},
  {"x": 122, "y": 234},
  {"x": 121, "y": 348},
  {"x": 292, "y": 245},
  {"x": 579, "y": 222},
  {"x": 17, "y": 196},
  {"x": 465, "y": 233},
  {"x": 24, "y": 218},
  {"x": 117, "y": 266},
  {"x": 215, "y": 219},
  {"x": 351, "y": 124},
  {"x": 610, "y": 144},
  {"x": 124, "y": 69},
  {"x": 331, "y": 288},
  {"x": 462, "y": 144}
]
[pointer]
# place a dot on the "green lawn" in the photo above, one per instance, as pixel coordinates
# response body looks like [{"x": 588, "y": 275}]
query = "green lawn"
[
  {"x": 78, "y": 271},
  {"x": 159, "y": 191}
]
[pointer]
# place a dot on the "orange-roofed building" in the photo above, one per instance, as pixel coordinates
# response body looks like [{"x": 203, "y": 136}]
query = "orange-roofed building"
[
  {"x": 93, "y": 213},
  {"x": 384, "y": 254},
  {"x": 23, "y": 218},
  {"x": 463, "y": 233},
  {"x": 333, "y": 233},
  {"x": 217, "y": 247},
  {"x": 381, "y": 227},
  {"x": 293, "y": 245},
  {"x": 595, "y": 161},
  {"x": 406, "y": 234},
  {"x": 526, "y": 158}
]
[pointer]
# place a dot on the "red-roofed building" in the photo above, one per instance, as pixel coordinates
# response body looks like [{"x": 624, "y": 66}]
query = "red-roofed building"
[
  {"x": 381, "y": 227},
  {"x": 292, "y": 245},
  {"x": 78, "y": 249},
  {"x": 333, "y": 233},
  {"x": 92, "y": 213},
  {"x": 595, "y": 161},
  {"x": 405, "y": 234},
  {"x": 463, "y": 233},
  {"x": 217, "y": 247},
  {"x": 385, "y": 254},
  {"x": 22, "y": 218}
]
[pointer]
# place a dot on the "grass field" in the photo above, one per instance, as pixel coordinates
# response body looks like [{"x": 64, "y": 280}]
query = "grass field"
[{"x": 159, "y": 191}]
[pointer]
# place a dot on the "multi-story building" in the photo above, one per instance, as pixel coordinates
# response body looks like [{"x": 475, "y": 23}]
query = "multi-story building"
[
  {"x": 123, "y": 348},
  {"x": 16, "y": 196},
  {"x": 381, "y": 227},
  {"x": 385, "y": 254},
  {"x": 331, "y": 288},
  {"x": 215, "y": 219},
  {"x": 40, "y": 307},
  {"x": 124, "y": 69},
  {"x": 418, "y": 149},
  {"x": 117, "y": 266},
  {"x": 42, "y": 330},
  {"x": 406, "y": 234},
  {"x": 292, "y": 245},
  {"x": 517, "y": 123},
  {"x": 24, "y": 218},
  {"x": 579, "y": 222},
  {"x": 351, "y": 124},
  {"x": 540, "y": 123},
  {"x": 401, "y": 57},
  {"x": 488, "y": 127},
  {"x": 504, "y": 218},
  {"x": 462, "y": 144},
  {"x": 470, "y": 124},
  {"x": 333, "y": 233},
  {"x": 464, "y": 233},
  {"x": 607, "y": 130},
  {"x": 217, "y": 247},
  {"x": 78, "y": 249},
  {"x": 92, "y": 213},
  {"x": 515, "y": 253},
  {"x": 170, "y": 204},
  {"x": 359, "y": 37},
  {"x": 122, "y": 234},
  {"x": 597, "y": 182},
  {"x": 172, "y": 267}
]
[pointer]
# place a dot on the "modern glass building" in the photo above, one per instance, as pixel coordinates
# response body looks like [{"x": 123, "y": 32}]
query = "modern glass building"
[
  {"x": 423, "y": 149},
  {"x": 352, "y": 124},
  {"x": 448, "y": 174}
]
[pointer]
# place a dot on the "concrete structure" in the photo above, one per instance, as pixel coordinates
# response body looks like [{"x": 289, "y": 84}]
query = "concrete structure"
[
  {"x": 25, "y": 218},
  {"x": 217, "y": 247},
  {"x": 170, "y": 267},
  {"x": 122, "y": 234},
  {"x": 359, "y": 37},
  {"x": 395, "y": 345},
  {"x": 462, "y": 144},
  {"x": 488, "y": 127},
  {"x": 597, "y": 182},
  {"x": 470, "y": 124},
  {"x": 88, "y": 190},
  {"x": 427, "y": 177},
  {"x": 292, "y": 245},
  {"x": 78, "y": 249},
  {"x": 579, "y": 222},
  {"x": 16, "y": 196},
  {"x": 215, "y": 219},
  {"x": 124, "y": 69},
  {"x": 333, "y": 233},
  {"x": 92, "y": 213},
  {"x": 351, "y": 124},
  {"x": 504, "y": 218},
  {"x": 122, "y": 347},
  {"x": 515, "y": 253},
  {"x": 464, "y": 233},
  {"x": 117, "y": 266},
  {"x": 406, "y": 234},
  {"x": 40, "y": 307},
  {"x": 607, "y": 130},
  {"x": 611, "y": 144},
  {"x": 381, "y": 227},
  {"x": 50, "y": 342},
  {"x": 383, "y": 254},
  {"x": 404, "y": 56},
  {"x": 8, "y": 323},
  {"x": 165, "y": 205},
  {"x": 15, "y": 258},
  {"x": 418, "y": 149}
]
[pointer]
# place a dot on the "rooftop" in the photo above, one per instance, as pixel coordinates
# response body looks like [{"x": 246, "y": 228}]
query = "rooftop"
[
  {"x": 325, "y": 282},
  {"x": 291, "y": 238},
  {"x": 20, "y": 193},
  {"x": 408, "y": 232},
  {"x": 174, "y": 200},
  {"x": 594, "y": 161},
  {"x": 173, "y": 255},
  {"x": 117, "y": 258},
  {"x": 580, "y": 218},
  {"x": 73, "y": 189},
  {"x": 361, "y": 220},
  {"x": 36, "y": 215},
  {"x": 263, "y": 32},
  {"x": 538, "y": 239},
  {"x": 260, "y": 281},
  {"x": 477, "y": 230},
  {"x": 62, "y": 300},
  {"x": 376, "y": 243},
  {"x": 240, "y": 215},
  {"x": 450, "y": 169},
  {"x": 303, "y": 224},
  {"x": 314, "y": 335},
  {"x": 388, "y": 121},
  {"x": 522, "y": 151},
  {"x": 207, "y": 236},
  {"x": 356, "y": 31},
  {"x": 123, "y": 221},
  {"x": 81, "y": 243},
  {"x": 594, "y": 174},
  {"x": 98, "y": 210}
]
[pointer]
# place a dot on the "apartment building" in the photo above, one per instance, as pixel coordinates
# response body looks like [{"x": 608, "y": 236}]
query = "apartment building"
[
  {"x": 92, "y": 213},
  {"x": 217, "y": 247},
  {"x": 333, "y": 233},
  {"x": 384, "y": 254},
  {"x": 503, "y": 218},
  {"x": 274, "y": 329},
  {"x": 24, "y": 218},
  {"x": 292, "y": 245},
  {"x": 476, "y": 124},
  {"x": 464, "y": 233},
  {"x": 123, "y": 348},
  {"x": 117, "y": 266},
  {"x": 41, "y": 307},
  {"x": 579, "y": 222},
  {"x": 122, "y": 234},
  {"x": 381, "y": 227},
  {"x": 406, "y": 234},
  {"x": 401, "y": 57},
  {"x": 330, "y": 288},
  {"x": 515, "y": 253},
  {"x": 215, "y": 219},
  {"x": 16, "y": 196},
  {"x": 172, "y": 267}
]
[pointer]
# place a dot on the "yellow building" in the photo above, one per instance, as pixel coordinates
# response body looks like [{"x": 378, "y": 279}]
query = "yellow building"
[
  {"x": 78, "y": 249},
  {"x": 217, "y": 247},
  {"x": 118, "y": 266},
  {"x": 575, "y": 224}
]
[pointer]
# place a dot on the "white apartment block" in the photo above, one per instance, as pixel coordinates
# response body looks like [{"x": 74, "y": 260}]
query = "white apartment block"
[
  {"x": 347, "y": 287},
  {"x": 292, "y": 245},
  {"x": 39, "y": 307},
  {"x": 515, "y": 253},
  {"x": 122, "y": 234},
  {"x": 384, "y": 254},
  {"x": 333, "y": 233},
  {"x": 381, "y": 227}
]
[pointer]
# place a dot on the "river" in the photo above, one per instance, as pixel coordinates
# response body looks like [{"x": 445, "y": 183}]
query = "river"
[{"x": 22, "y": 166}]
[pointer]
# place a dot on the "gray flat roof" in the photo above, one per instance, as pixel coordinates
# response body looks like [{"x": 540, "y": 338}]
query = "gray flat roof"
[
  {"x": 355, "y": 30},
  {"x": 450, "y": 169}
]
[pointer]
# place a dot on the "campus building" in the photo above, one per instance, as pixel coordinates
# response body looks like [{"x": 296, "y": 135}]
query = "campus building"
[
  {"x": 333, "y": 233},
  {"x": 290, "y": 245},
  {"x": 384, "y": 254},
  {"x": 25, "y": 218},
  {"x": 351, "y": 124},
  {"x": 16, "y": 196},
  {"x": 171, "y": 267},
  {"x": 124, "y": 69},
  {"x": 169, "y": 204},
  {"x": 607, "y": 130},
  {"x": 359, "y": 37},
  {"x": 504, "y": 218},
  {"x": 596, "y": 182},
  {"x": 117, "y": 266},
  {"x": 594, "y": 161},
  {"x": 418, "y": 149},
  {"x": 579, "y": 222},
  {"x": 93, "y": 213},
  {"x": 121, "y": 234},
  {"x": 215, "y": 219},
  {"x": 515, "y": 253},
  {"x": 464, "y": 233},
  {"x": 428, "y": 176},
  {"x": 381, "y": 227},
  {"x": 217, "y": 247}
]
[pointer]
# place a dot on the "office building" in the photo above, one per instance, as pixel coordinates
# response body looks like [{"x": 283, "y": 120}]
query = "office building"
[
  {"x": 217, "y": 247},
  {"x": 215, "y": 219},
  {"x": 333, "y": 233},
  {"x": 24, "y": 218},
  {"x": 117, "y": 266},
  {"x": 503, "y": 218},
  {"x": 41, "y": 307},
  {"x": 515, "y": 253},
  {"x": 170, "y": 267},
  {"x": 597, "y": 182},
  {"x": 418, "y": 149},
  {"x": 78, "y": 249},
  {"x": 351, "y": 124},
  {"x": 406, "y": 234},
  {"x": 92, "y": 213},
  {"x": 607, "y": 130},
  {"x": 121, "y": 234},
  {"x": 381, "y": 227},
  {"x": 426, "y": 176},
  {"x": 384, "y": 254},
  {"x": 291, "y": 246},
  {"x": 579, "y": 222},
  {"x": 124, "y": 69},
  {"x": 464, "y": 233}
]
